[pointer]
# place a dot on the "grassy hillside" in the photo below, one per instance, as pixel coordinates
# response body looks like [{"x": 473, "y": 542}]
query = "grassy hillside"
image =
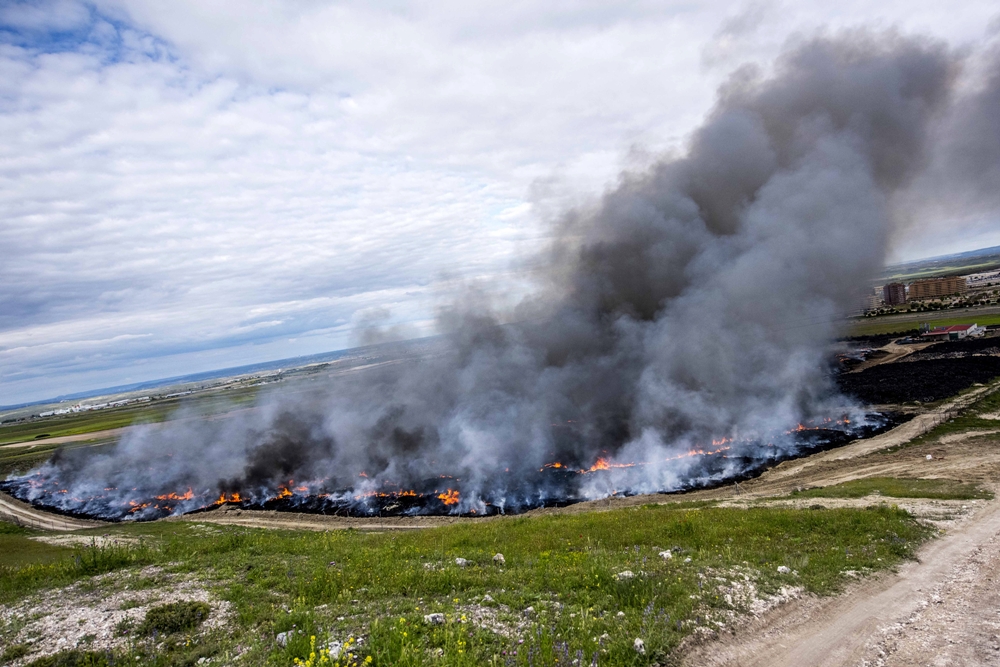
[{"x": 581, "y": 587}]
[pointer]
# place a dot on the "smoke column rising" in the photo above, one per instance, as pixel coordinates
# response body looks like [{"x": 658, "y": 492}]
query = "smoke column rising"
[{"x": 693, "y": 303}]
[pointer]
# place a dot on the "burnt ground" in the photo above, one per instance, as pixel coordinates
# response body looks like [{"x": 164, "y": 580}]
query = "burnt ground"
[
  {"x": 922, "y": 380},
  {"x": 961, "y": 348}
]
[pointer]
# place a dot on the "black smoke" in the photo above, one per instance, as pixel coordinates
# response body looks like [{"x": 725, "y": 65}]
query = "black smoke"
[{"x": 688, "y": 309}]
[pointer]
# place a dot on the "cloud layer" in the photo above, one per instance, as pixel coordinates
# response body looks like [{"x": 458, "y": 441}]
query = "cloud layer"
[{"x": 183, "y": 186}]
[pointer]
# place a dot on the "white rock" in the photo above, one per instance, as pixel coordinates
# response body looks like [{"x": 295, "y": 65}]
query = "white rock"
[
  {"x": 335, "y": 648},
  {"x": 282, "y": 638},
  {"x": 782, "y": 569},
  {"x": 434, "y": 619},
  {"x": 666, "y": 555},
  {"x": 428, "y": 566},
  {"x": 929, "y": 457},
  {"x": 687, "y": 560},
  {"x": 487, "y": 598},
  {"x": 620, "y": 614},
  {"x": 499, "y": 559},
  {"x": 639, "y": 646},
  {"x": 625, "y": 575},
  {"x": 461, "y": 562},
  {"x": 529, "y": 611}
]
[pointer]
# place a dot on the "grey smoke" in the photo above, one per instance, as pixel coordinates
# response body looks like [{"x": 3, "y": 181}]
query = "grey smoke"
[
  {"x": 962, "y": 183},
  {"x": 693, "y": 302}
]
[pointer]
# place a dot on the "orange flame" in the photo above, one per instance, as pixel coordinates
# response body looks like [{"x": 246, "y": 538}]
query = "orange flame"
[
  {"x": 449, "y": 497},
  {"x": 229, "y": 498},
  {"x": 173, "y": 496},
  {"x": 602, "y": 464}
]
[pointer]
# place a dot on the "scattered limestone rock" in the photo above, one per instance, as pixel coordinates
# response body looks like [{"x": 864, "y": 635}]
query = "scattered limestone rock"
[
  {"x": 783, "y": 569},
  {"x": 499, "y": 560},
  {"x": 487, "y": 598},
  {"x": 434, "y": 619},
  {"x": 528, "y": 612},
  {"x": 461, "y": 562},
  {"x": 620, "y": 614},
  {"x": 91, "y": 614},
  {"x": 687, "y": 560},
  {"x": 625, "y": 575},
  {"x": 639, "y": 646},
  {"x": 666, "y": 555},
  {"x": 282, "y": 638}
]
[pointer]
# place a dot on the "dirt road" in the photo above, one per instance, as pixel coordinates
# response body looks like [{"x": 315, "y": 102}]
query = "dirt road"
[
  {"x": 109, "y": 434},
  {"x": 24, "y": 514},
  {"x": 232, "y": 516},
  {"x": 942, "y": 610}
]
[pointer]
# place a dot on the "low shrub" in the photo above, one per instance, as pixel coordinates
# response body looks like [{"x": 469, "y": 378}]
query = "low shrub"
[
  {"x": 174, "y": 617},
  {"x": 75, "y": 658}
]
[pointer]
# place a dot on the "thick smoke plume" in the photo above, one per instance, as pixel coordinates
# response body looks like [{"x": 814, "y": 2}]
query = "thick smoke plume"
[{"x": 689, "y": 309}]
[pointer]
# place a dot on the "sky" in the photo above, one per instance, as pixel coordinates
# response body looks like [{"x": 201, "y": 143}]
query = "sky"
[{"x": 194, "y": 185}]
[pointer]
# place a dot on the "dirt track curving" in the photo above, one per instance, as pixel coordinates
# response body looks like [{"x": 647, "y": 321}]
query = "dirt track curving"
[
  {"x": 232, "y": 516},
  {"x": 24, "y": 514}
]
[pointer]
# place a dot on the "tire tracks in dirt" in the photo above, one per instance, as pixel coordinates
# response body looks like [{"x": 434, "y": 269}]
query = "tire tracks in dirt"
[{"x": 867, "y": 625}]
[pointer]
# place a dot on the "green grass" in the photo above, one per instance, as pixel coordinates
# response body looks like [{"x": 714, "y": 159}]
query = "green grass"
[
  {"x": 888, "y": 324},
  {"x": 14, "y": 652},
  {"x": 380, "y": 585},
  {"x": 942, "y": 489},
  {"x": 23, "y": 459},
  {"x": 208, "y": 403},
  {"x": 17, "y": 549},
  {"x": 969, "y": 419},
  {"x": 76, "y": 658},
  {"x": 86, "y": 422}
]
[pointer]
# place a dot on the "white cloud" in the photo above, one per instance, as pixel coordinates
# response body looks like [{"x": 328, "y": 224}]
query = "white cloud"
[{"x": 181, "y": 180}]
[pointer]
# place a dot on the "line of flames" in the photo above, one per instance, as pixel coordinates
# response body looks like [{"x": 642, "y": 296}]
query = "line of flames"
[{"x": 450, "y": 497}]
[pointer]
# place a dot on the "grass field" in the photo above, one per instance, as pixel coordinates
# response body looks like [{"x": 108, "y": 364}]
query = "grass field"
[
  {"x": 16, "y": 550},
  {"x": 79, "y": 423},
  {"x": 594, "y": 583},
  {"x": 895, "y": 324},
  {"x": 942, "y": 489}
]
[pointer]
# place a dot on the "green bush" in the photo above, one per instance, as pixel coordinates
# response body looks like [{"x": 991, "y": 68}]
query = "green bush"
[
  {"x": 174, "y": 617},
  {"x": 75, "y": 659},
  {"x": 14, "y": 652}
]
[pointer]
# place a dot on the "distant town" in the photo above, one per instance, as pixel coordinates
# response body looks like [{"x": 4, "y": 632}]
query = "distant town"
[{"x": 933, "y": 294}]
